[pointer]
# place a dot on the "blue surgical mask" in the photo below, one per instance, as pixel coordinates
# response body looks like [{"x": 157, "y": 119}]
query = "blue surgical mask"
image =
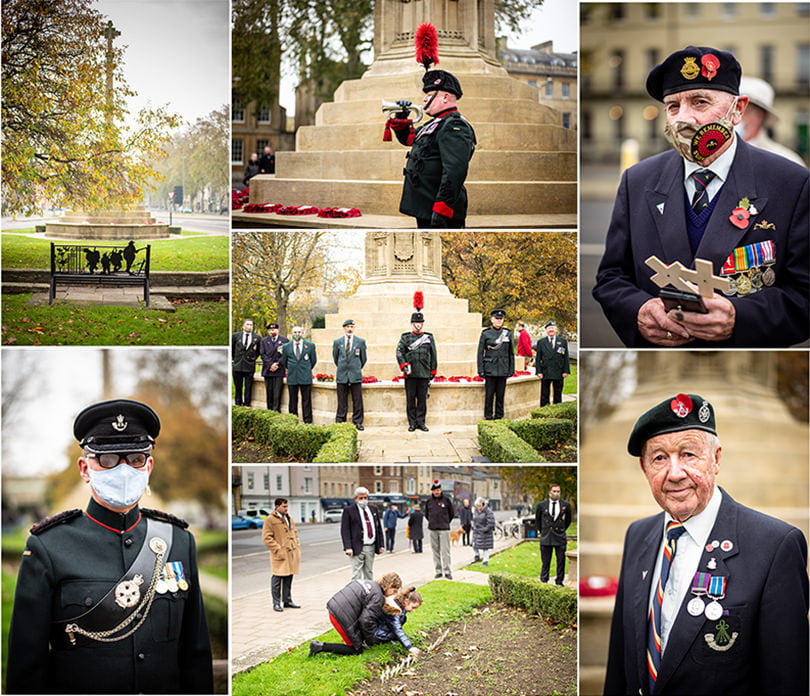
[{"x": 121, "y": 486}]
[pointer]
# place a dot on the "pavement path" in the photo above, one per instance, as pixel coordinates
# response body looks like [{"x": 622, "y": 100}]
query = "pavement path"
[{"x": 450, "y": 444}]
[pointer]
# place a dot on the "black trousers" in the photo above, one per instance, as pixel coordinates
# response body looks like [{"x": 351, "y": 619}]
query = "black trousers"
[
  {"x": 458, "y": 223},
  {"x": 242, "y": 382},
  {"x": 545, "y": 387},
  {"x": 465, "y": 538},
  {"x": 306, "y": 400},
  {"x": 416, "y": 390},
  {"x": 545, "y": 557},
  {"x": 281, "y": 589},
  {"x": 390, "y": 536},
  {"x": 494, "y": 391},
  {"x": 273, "y": 387},
  {"x": 343, "y": 389},
  {"x": 417, "y": 545}
]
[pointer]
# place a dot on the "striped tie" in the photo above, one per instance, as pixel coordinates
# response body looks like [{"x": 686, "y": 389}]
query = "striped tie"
[
  {"x": 701, "y": 177},
  {"x": 674, "y": 530}
]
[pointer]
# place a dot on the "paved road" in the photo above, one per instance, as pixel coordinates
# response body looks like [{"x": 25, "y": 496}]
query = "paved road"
[{"x": 205, "y": 224}]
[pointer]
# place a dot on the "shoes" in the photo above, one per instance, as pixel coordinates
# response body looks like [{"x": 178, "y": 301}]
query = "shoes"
[
  {"x": 291, "y": 605},
  {"x": 476, "y": 560},
  {"x": 485, "y": 563},
  {"x": 438, "y": 575},
  {"x": 411, "y": 428},
  {"x": 359, "y": 427},
  {"x": 277, "y": 606},
  {"x": 423, "y": 428},
  {"x": 449, "y": 576},
  {"x": 315, "y": 646}
]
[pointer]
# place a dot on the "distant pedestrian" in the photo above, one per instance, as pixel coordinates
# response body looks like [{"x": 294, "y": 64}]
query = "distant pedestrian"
[
  {"x": 391, "y": 620},
  {"x": 483, "y": 527},
  {"x": 416, "y": 532},
  {"x": 251, "y": 169},
  {"x": 439, "y": 513},
  {"x": 267, "y": 162},
  {"x": 524, "y": 345},
  {"x": 281, "y": 537},
  {"x": 362, "y": 534},
  {"x": 465, "y": 516},
  {"x": 390, "y": 525}
]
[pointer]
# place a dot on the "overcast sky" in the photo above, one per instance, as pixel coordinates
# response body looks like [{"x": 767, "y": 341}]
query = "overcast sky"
[{"x": 177, "y": 51}]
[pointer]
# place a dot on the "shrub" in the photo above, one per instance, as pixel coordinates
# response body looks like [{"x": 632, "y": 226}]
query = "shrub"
[
  {"x": 500, "y": 444},
  {"x": 567, "y": 410},
  {"x": 552, "y": 602},
  {"x": 341, "y": 445},
  {"x": 544, "y": 433}
]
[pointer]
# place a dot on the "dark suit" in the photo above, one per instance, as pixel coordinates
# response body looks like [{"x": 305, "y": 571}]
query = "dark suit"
[
  {"x": 349, "y": 377},
  {"x": 270, "y": 350},
  {"x": 774, "y": 316},
  {"x": 496, "y": 364},
  {"x": 552, "y": 364},
  {"x": 299, "y": 376},
  {"x": 766, "y": 603},
  {"x": 551, "y": 533},
  {"x": 351, "y": 533},
  {"x": 243, "y": 365}
]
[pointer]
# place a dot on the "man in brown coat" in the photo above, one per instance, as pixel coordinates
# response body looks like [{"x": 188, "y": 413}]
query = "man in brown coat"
[{"x": 281, "y": 537}]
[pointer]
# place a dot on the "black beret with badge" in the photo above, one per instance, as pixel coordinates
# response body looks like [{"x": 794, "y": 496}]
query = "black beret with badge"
[
  {"x": 695, "y": 67},
  {"x": 119, "y": 425},
  {"x": 441, "y": 80},
  {"x": 682, "y": 412}
]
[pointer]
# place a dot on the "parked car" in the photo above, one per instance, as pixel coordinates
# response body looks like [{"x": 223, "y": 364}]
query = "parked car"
[
  {"x": 333, "y": 515},
  {"x": 261, "y": 513},
  {"x": 242, "y": 522}
]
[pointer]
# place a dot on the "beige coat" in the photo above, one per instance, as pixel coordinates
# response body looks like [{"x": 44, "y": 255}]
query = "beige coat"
[{"x": 285, "y": 549}]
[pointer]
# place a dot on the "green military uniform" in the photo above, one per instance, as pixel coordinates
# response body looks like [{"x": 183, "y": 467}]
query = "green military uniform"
[
  {"x": 496, "y": 363},
  {"x": 416, "y": 357}
]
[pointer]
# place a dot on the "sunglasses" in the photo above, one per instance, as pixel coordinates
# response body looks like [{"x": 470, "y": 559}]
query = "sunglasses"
[{"x": 112, "y": 459}]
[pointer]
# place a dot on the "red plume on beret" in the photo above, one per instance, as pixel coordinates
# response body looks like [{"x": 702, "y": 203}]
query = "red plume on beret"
[
  {"x": 418, "y": 300},
  {"x": 427, "y": 45}
]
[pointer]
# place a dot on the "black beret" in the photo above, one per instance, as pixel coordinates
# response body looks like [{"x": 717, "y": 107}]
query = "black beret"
[
  {"x": 695, "y": 67},
  {"x": 682, "y": 412},
  {"x": 348, "y": 322},
  {"x": 417, "y": 317},
  {"x": 272, "y": 325},
  {"x": 498, "y": 313},
  {"x": 550, "y": 323},
  {"x": 119, "y": 425},
  {"x": 435, "y": 485},
  {"x": 441, "y": 80}
]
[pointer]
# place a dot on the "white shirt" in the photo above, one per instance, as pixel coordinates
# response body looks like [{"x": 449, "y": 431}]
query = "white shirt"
[
  {"x": 721, "y": 167},
  {"x": 365, "y": 513},
  {"x": 685, "y": 564}
]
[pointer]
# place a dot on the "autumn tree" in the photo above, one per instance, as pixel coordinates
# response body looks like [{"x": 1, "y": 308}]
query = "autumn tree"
[
  {"x": 532, "y": 275},
  {"x": 63, "y": 139},
  {"x": 536, "y": 480}
]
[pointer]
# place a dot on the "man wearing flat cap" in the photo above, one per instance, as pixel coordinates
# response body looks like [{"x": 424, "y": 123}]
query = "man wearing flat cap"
[
  {"x": 553, "y": 364},
  {"x": 272, "y": 367},
  {"x": 712, "y": 596},
  {"x": 496, "y": 363},
  {"x": 713, "y": 198},
  {"x": 108, "y": 599},
  {"x": 349, "y": 354}
]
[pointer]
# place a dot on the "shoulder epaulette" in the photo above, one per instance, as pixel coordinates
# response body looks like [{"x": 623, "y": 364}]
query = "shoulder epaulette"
[
  {"x": 164, "y": 517},
  {"x": 59, "y": 518}
]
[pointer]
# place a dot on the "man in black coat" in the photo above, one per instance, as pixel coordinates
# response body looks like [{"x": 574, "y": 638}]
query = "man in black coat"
[
  {"x": 244, "y": 353},
  {"x": 712, "y": 596},
  {"x": 108, "y": 599},
  {"x": 552, "y": 365},
  {"x": 553, "y": 517},
  {"x": 272, "y": 367},
  {"x": 496, "y": 363},
  {"x": 362, "y": 535},
  {"x": 750, "y": 220},
  {"x": 416, "y": 532},
  {"x": 439, "y": 513},
  {"x": 417, "y": 358}
]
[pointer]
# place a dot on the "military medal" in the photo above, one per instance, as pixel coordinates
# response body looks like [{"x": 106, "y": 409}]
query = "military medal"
[
  {"x": 128, "y": 593},
  {"x": 768, "y": 277},
  {"x": 732, "y": 288},
  {"x": 171, "y": 580},
  {"x": 756, "y": 278},
  {"x": 180, "y": 574},
  {"x": 717, "y": 591},
  {"x": 743, "y": 285},
  {"x": 700, "y": 586}
]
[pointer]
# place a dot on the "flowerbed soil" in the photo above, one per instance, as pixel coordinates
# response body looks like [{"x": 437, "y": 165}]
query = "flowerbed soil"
[{"x": 496, "y": 651}]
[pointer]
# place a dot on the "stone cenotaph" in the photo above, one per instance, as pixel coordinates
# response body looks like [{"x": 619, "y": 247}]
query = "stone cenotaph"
[
  {"x": 397, "y": 264},
  {"x": 523, "y": 172}
]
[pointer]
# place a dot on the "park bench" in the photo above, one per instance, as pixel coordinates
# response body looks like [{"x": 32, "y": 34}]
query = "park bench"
[{"x": 117, "y": 265}]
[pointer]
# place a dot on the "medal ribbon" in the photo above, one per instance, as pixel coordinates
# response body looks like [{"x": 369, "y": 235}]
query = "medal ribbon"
[
  {"x": 717, "y": 589},
  {"x": 700, "y": 584},
  {"x": 743, "y": 258}
]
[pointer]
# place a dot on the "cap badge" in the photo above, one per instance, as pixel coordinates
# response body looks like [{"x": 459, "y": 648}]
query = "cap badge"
[
  {"x": 704, "y": 413},
  {"x": 120, "y": 424},
  {"x": 437, "y": 81},
  {"x": 690, "y": 70},
  {"x": 681, "y": 405},
  {"x": 710, "y": 64}
]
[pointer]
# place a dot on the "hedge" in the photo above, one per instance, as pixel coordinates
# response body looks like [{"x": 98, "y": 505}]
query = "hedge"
[
  {"x": 544, "y": 433},
  {"x": 500, "y": 444},
  {"x": 288, "y": 438},
  {"x": 552, "y": 602},
  {"x": 567, "y": 410}
]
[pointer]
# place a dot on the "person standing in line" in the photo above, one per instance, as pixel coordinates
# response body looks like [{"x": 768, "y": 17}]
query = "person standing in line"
[
  {"x": 244, "y": 353},
  {"x": 553, "y": 518},
  {"x": 299, "y": 359},
  {"x": 439, "y": 513},
  {"x": 349, "y": 355},
  {"x": 416, "y": 357},
  {"x": 496, "y": 363},
  {"x": 553, "y": 364},
  {"x": 272, "y": 367}
]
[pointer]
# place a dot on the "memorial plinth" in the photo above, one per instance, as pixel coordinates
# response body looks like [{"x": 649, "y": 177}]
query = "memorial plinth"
[{"x": 108, "y": 224}]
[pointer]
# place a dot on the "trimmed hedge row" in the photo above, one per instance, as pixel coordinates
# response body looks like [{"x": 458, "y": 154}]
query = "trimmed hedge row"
[
  {"x": 500, "y": 444},
  {"x": 567, "y": 410},
  {"x": 544, "y": 433},
  {"x": 555, "y": 603},
  {"x": 282, "y": 433}
]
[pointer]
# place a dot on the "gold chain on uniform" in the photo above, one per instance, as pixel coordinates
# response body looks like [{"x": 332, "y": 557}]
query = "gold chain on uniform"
[{"x": 104, "y": 636}]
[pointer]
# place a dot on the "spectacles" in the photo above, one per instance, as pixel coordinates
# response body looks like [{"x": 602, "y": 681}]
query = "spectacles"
[{"x": 111, "y": 460}]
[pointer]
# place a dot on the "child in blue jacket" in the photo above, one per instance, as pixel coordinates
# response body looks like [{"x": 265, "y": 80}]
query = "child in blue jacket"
[{"x": 394, "y": 615}]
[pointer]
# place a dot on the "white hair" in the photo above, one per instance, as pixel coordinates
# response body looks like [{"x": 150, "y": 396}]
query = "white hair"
[{"x": 360, "y": 490}]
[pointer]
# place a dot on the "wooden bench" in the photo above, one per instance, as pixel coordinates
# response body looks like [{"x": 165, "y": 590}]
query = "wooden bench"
[{"x": 116, "y": 265}]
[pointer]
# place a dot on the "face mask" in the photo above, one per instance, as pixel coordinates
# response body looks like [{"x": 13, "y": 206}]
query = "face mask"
[
  {"x": 554, "y": 496},
  {"x": 741, "y": 131},
  {"x": 119, "y": 487},
  {"x": 697, "y": 143},
  {"x": 362, "y": 503}
]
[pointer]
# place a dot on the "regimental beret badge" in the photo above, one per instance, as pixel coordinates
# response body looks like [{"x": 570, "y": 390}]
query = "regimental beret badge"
[
  {"x": 681, "y": 405},
  {"x": 690, "y": 69}
]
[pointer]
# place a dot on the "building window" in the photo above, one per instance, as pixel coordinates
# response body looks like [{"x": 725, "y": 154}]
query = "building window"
[
  {"x": 566, "y": 120},
  {"x": 728, "y": 10},
  {"x": 766, "y": 63},
  {"x": 378, "y": 487},
  {"x": 616, "y": 61},
  {"x": 692, "y": 10},
  {"x": 237, "y": 149},
  {"x": 264, "y": 114},
  {"x": 378, "y": 471},
  {"x": 532, "y": 83},
  {"x": 803, "y": 65},
  {"x": 549, "y": 88},
  {"x": 238, "y": 110},
  {"x": 250, "y": 480},
  {"x": 585, "y": 125},
  {"x": 652, "y": 11},
  {"x": 617, "y": 12},
  {"x": 652, "y": 58},
  {"x": 278, "y": 483},
  {"x": 803, "y": 8},
  {"x": 566, "y": 90},
  {"x": 307, "y": 485},
  {"x": 333, "y": 490},
  {"x": 325, "y": 489},
  {"x": 266, "y": 479},
  {"x": 410, "y": 486},
  {"x": 767, "y": 9},
  {"x": 261, "y": 143}
]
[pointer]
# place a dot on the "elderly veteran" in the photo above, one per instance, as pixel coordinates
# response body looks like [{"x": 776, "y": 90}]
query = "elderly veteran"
[
  {"x": 712, "y": 596},
  {"x": 713, "y": 197},
  {"x": 349, "y": 355},
  {"x": 108, "y": 600}
]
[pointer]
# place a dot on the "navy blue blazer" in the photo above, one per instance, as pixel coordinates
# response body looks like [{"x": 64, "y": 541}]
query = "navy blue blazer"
[
  {"x": 766, "y": 600},
  {"x": 351, "y": 529},
  {"x": 776, "y": 316}
]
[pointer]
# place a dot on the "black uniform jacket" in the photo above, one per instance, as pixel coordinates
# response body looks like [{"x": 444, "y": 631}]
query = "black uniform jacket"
[
  {"x": 243, "y": 359},
  {"x": 437, "y": 167},
  {"x": 552, "y": 364},
  {"x": 773, "y": 317},
  {"x": 766, "y": 603},
  {"x": 351, "y": 529},
  {"x": 550, "y": 531},
  {"x": 69, "y": 567},
  {"x": 496, "y": 359},
  {"x": 423, "y": 359},
  {"x": 270, "y": 350}
]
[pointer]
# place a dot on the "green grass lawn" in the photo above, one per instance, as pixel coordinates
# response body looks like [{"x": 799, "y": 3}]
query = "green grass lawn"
[
  {"x": 570, "y": 383},
  {"x": 208, "y": 253},
  {"x": 523, "y": 559},
  {"x": 194, "y": 323},
  {"x": 9, "y": 581},
  {"x": 326, "y": 674}
]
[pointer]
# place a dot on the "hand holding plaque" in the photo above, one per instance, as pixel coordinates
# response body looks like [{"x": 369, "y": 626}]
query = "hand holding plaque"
[{"x": 689, "y": 287}]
